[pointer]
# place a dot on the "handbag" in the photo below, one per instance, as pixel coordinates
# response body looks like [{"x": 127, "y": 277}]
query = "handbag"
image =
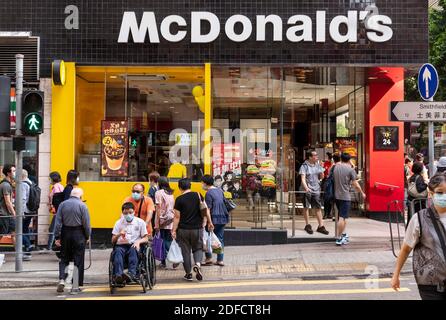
[
  {"x": 413, "y": 192},
  {"x": 203, "y": 206},
  {"x": 158, "y": 247},
  {"x": 229, "y": 203}
]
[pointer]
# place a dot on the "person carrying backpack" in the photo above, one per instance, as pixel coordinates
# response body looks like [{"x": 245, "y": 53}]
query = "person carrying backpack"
[
  {"x": 55, "y": 198},
  {"x": 31, "y": 203}
]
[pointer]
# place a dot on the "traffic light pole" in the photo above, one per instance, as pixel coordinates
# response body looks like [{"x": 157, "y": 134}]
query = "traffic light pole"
[{"x": 19, "y": 162}]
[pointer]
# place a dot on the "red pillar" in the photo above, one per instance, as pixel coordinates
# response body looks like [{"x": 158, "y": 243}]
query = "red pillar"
[{"x": 383, "y": 167}]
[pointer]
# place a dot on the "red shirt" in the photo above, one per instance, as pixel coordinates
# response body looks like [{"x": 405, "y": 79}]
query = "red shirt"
[{"x": 327, "y": 166}]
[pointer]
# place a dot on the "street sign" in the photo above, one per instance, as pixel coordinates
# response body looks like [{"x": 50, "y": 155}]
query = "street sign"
[
  {"x": 427, "y": 81},
  {"x": 418, "y": 111},
  {"x": 33, "y": 123}
]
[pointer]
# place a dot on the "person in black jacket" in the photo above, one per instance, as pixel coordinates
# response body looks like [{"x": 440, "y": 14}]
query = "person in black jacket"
[
  {"x": 421, "y": 186},
  {"x": 72, "y": 181}
]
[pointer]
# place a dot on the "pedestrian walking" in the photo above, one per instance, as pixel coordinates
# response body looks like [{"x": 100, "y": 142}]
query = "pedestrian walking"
[
  {"x": 144, "y": 206},
  {"x": 164, "y": 207},
  {"x": 28, "y": 215},
  {"x": 7, "y": 210},
  {"x": 188, "y": 227},
  {"x": 154, "y": 187},
  {"x": 55, "y": 198},
  {"x": 215, "y": 201},
  {"x": 344, "y": 177},
  {"x": 72, "y": 232},
  {"x": 72, "y": 182},
  {"x": 311, "y": 173},
  {"x": 417, "y": 190},
  {"x": 426, "y": 236},
  {"x": 420, "y": 159},
  {"x": 328, "y": 203}
]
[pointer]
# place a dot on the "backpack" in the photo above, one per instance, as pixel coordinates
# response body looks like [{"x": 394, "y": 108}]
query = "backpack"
[
  {"x": 252, "y": 183},
  {"x": 329, "y": 188},
  {"x": 168, "y": 215},
  {"x": 33, "y": 203},
  {"x": 413, "y": 192}
]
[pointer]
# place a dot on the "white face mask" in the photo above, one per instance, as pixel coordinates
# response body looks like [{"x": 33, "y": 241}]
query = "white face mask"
[{"x": 129, "y": 217}]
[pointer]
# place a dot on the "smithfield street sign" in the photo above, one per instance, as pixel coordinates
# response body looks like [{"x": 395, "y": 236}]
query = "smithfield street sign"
[
  {"x": 298, "y": 28},
  {"x": 418, "y": 111}
]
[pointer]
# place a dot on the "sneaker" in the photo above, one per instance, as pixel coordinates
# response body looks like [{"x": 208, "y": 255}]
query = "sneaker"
[
  {"x": 308, "y": 229},
  {"x": 75, "y": 291},
  {"x": 27, "y": 257},
  {"x": 198, "y": 273},
  {"x": 346, "y": 237},
  {"x": 188, "y": 277},
  {"x": 322, "y": 230},
  {"x": 61, "y": 286},
  {"x": 340, "y": 242},
  {"x": 119, "y": 279}
]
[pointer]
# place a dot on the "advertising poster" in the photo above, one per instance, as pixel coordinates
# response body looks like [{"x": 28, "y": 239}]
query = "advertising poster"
[
  {"x": 226, "y": 157},
  {"x": 114, "y": 149},
  {"x": 386, "y": 138},
  {"x": 349, "y": 146}
]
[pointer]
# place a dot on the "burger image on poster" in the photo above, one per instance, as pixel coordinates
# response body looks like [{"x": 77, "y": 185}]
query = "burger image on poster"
[
  {"x": 252, "y": 169},
  {"x": 268, "y": 181},
  {"x": 268, "y": 167}
]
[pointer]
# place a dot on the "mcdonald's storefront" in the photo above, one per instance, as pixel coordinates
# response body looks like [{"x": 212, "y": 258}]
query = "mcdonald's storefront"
[{"x": 227, "y": 89}]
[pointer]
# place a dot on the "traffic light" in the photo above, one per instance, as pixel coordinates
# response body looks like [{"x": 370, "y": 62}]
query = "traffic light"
[
  {"x": 32, "y": 112},
  {"x": 5, "y": 105}
]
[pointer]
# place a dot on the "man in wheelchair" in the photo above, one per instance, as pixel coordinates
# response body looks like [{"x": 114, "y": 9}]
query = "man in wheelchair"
[{"x": 129, "y": 234}]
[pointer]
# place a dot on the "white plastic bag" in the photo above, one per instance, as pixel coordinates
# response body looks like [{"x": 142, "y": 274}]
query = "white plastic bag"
[
  {"x": 174, "y": 255},
  {"x": 215, "y": 243},
  {"x": 2, "y": 259},
  {"x": 207, "y": 242}
]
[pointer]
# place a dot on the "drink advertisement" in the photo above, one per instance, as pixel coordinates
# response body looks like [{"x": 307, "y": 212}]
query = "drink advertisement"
[
  {"x": 226, "y": 157},
  {"x": 114, "y": 149}
]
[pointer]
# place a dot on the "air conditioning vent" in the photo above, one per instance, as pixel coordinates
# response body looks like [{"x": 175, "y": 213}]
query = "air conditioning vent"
[{"x": 29, "y": 47}]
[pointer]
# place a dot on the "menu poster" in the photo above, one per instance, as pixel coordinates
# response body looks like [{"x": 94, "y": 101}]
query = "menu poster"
[
  {"x": 114, "y": 149},
  {"x": 226, "y": 157}
]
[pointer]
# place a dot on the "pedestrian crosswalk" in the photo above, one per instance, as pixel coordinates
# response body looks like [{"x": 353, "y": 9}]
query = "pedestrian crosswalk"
[{"x": 249, "y": 289}]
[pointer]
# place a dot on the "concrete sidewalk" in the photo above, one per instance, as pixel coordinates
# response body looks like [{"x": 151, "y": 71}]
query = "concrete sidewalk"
[{"x": 362, "y": 257}]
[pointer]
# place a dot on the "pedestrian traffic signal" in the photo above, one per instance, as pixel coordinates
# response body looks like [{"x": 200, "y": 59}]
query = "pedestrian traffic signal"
[
  {"x": 5, "y": 105},
  {"x": 32, "y": 112}
]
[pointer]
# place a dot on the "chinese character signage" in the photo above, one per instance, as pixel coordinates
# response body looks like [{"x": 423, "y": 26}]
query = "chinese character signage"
[
  {"x": 386, "y": 138},
  {"x": 226, "y": 157},
  {"x": 114, "y": 149}
]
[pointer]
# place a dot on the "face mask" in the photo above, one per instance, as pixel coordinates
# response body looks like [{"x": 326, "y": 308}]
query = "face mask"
[
  {"x": 129, "y": 217},
  {"x": 77, "y": 180},
  {"x": 13, "y": 175},
  {"x": 440, "y": 200},
  {"x": 136, "y": 196}
]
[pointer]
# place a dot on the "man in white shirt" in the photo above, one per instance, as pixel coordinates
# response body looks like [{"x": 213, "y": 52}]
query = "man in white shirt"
[{"x": 128, "y": 235}]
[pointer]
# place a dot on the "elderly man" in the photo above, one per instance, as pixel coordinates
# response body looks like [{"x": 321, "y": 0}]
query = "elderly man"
[
  {"x": 129, "y": 233},
  {"x": 72, "y": 233}
]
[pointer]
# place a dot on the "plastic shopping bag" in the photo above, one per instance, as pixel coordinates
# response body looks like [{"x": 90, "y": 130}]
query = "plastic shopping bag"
[
  {"x": 207, "y": 244},
  {"x": 215, "y": 243},
  {"x": 158, "y": 247},
  {"x": 174, "y": 255}
]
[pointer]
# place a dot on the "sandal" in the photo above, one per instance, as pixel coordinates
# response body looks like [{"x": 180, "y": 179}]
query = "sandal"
[
  {"x": 208, "y": 263},
  {"x": 220, "y": 263}
]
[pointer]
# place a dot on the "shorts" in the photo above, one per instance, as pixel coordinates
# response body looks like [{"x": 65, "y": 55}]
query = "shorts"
[
  {"x": 312, "y": 200},
  {"x": 343, "y": 208},
  {"x": 7, "y": 225}
]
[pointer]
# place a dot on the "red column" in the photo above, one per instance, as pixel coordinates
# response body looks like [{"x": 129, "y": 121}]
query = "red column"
[{"x": 386, "y": 167}]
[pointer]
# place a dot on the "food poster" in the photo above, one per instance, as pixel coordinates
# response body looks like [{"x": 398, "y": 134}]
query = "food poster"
[
  {"x": 114, "y": 149},
  {"x": 226, "y": 157},
  {"x": 349, "y": 146}
]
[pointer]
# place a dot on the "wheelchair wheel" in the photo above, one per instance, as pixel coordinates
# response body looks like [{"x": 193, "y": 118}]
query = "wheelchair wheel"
[
  {"x": 150, "y": 267},
  {"x": 110, "y": 276}
]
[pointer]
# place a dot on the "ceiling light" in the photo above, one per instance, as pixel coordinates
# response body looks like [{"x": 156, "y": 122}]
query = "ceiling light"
[
  {"x": 166, "y": 101},
  {"x": 147, "y": 77},
  {"x": 113, "y": 77},
  {"x": 172, "y": 107}
]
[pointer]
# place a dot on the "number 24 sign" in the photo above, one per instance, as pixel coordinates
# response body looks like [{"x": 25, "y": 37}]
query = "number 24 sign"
[{"x": 386, "y": 138}]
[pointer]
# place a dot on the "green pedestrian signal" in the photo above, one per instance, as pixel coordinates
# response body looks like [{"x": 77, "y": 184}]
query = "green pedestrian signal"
[
  {"x": 32, "y": 112},
  {"x": 134, "y": 143},
  {"x": 33, "y": 123}
]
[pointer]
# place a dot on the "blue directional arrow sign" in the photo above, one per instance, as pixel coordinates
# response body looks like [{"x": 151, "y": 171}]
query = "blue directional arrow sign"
[{"x": 427, "y": 81}]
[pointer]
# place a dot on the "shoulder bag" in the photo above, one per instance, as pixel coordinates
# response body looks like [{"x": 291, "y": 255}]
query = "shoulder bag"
[
  {"x": 413, "y": 192},
  {"x": 203, "y": 206}
]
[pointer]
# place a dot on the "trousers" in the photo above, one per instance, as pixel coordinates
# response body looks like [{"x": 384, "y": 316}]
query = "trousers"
[
  {"x": 73, "y": 243},
  {"x": 190, "y": 240}
]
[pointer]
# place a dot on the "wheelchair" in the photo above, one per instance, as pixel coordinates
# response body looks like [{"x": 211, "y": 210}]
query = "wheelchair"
[{"x": 146, "y": 270}]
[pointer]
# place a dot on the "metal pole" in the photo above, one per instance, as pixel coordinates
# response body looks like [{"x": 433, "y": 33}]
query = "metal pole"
[
  {"x": 282, "y": 153},
  {"x": 432, "y": 168},
  {"x": 19, "y": 163}
]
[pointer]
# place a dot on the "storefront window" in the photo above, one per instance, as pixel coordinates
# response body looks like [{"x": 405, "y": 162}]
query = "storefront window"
[
  {"x": 156, "y": 109},
  {"x": 263, "y": 115},
  {"x": 30, "y": 155}
]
